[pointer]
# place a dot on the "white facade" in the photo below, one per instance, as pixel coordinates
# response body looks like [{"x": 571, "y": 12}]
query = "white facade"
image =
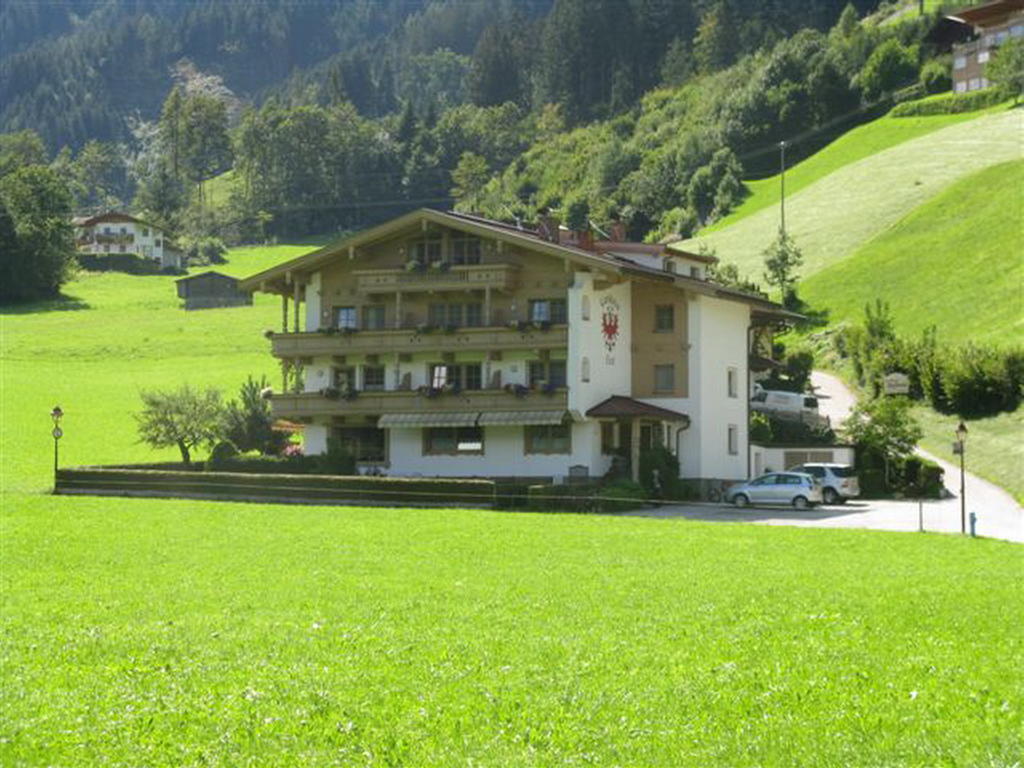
[
  {"x": 610, "y": 345},
  {"x": 120, "y": 233}
]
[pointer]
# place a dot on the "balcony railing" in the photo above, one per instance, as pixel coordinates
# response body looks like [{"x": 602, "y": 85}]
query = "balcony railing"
[
  {"x": 317, "y": 344},
  {"x": 462, "y": 277},
  {"x": 309, "y": 404},
  {"x": 115, "y": 238}
]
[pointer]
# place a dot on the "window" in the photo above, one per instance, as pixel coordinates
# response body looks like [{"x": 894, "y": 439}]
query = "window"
[
  {"x": 651, "y": 435},
  {"x": 465, "y": 250},
  {"x": 455, "y": 315},
  {"x": 664, "y": 378},
  {"x": 345, "y": 317},
  {"x": 547, "y": 311},
  {"x": 364, "y": 443},
  {"x": 373, "y": 377},
  {"x": 156, "y": 243},
  {"x": 585, "y": 369},
  {"x": 552, "y": 373},
  {"x": 437, "y": 314},
  {"x": 548, "y": 438},
  {"x": 974, "y": 84},
  {"x": 695, "y": 273},
  {"x": 732, "y": 380},
  {"x": 608, "y": 429},
  {"x": 982, "y": 57},
  {"x": 468, "y": 376},
  {"x": 733, "y": 440},
  {"x": 664, "y": 318},
  {"x": 960, "y": 87},
  {"x": 585, "y": 307},
  {"x": 373, "y": 316},
  {"x": 1017, "y": 30},
  {"x": 426, "y": 251},
  {"x": 121, "y": 248},
  {"x": 452, "y": 440},
  {"x": 124, "y": 230},
  {"x": 474, "y": 315},
  {"x": 145, "y": 231},
  {"x": 669, "y": 265},
  {"x": 344, "y": 378},
  {"x": 959, "y": 62}
]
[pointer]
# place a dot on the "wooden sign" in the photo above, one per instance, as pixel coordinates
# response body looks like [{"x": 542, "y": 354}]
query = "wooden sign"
[{"x": 897, "y": 384}]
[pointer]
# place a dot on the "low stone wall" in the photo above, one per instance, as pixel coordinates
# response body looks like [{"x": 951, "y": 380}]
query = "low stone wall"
[{"x": 298, "y": 489}]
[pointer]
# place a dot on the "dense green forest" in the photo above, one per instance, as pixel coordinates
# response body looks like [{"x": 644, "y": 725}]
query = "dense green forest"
[{"x": 286, "y": 119}]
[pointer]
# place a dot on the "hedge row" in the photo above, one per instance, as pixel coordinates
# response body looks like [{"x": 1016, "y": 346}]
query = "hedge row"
[
  {"x": 371, "y": 490},
  {"x": 950, "y": 103},
  {"x": 620, "y": 496}
]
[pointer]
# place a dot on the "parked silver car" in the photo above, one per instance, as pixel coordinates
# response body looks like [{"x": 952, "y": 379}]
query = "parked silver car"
[
  {"x": 838, "y": 481},
  {"x": 796, "y": 488}
]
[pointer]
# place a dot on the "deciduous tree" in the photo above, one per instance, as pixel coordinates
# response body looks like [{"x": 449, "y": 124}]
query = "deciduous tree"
[{"x": 184, "y": 418}]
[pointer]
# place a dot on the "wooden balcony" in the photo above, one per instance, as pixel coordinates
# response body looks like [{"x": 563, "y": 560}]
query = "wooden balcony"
[
  {"x": 292, "y": 345},
  {"x": 310, "y": 404},
  {"x": 457, "y": 278}
]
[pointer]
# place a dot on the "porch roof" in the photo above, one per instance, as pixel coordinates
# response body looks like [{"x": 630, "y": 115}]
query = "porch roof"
[{"x": 618, "y": 406}]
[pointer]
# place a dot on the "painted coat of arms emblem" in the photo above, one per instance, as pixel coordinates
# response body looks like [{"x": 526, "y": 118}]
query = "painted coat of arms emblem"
[{"x": 609, "y": 322}]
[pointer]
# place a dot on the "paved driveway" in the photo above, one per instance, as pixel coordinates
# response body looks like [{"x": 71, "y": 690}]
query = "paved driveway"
[{"x": 937, "y": 516}]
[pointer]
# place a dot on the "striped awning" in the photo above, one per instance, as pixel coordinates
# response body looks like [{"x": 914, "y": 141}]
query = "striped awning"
[
  {"x": 428, "y": 420},
  {"x": 521, "y": 418}
]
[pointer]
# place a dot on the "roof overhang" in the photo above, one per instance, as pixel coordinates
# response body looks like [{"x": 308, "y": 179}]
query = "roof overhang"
[
  {"x": 618, "y": 406},
  {"x": 988, "y": 13}
]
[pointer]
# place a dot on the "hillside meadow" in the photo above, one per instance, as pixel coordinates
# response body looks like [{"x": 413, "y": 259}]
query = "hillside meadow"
[{"x": 188, "y": 633}]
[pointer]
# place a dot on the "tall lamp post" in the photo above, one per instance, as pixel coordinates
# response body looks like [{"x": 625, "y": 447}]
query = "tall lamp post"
[
  {"x": 782, "y": 183},
  {"x": 56, "y": 414},
  {"x": 961, "y": 442}
]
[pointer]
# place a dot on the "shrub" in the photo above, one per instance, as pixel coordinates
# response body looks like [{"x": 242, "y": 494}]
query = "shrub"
[
  {"x": 337, "y": 460},
  {"x": 249, "y": 423},
  {"x": 935, "y": 76},
  {"x": 662, "y": 461},
  {"x": 890, "y": 66},
  {"x": 621, "y": 496},
  {"x": 576, "y": 497},
  {"x": 950, "y": 103},
  {"x": 921, "y": 478},
  {"x": 221, "y": 452}
]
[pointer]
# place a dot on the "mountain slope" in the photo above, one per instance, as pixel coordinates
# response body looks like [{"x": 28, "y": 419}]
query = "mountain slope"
[
  {"x": 833, "y": 217},
  {"x": 953, "y": 262}
]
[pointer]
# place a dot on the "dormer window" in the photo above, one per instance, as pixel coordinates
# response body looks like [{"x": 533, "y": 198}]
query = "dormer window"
[
  {"x": 465, "y": 249},
  {"x": 670, "y": 265}
]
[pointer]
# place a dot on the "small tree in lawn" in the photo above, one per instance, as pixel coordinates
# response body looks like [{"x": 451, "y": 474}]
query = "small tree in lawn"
[
  {"x": 184, "y": 418},
  {"x": 781, "y": 260},
  {"x": 885, "y": 428}
]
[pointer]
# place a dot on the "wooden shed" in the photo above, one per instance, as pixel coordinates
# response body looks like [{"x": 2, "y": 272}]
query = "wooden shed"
[{"x": 210, "y": 290}]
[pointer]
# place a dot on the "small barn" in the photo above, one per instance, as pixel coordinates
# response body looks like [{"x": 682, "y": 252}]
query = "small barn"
[{"x": 210, "y": 290}]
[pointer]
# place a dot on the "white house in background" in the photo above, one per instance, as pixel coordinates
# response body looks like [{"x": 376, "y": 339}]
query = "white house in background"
[
  {"x": 116, "y": 232},
  {"x": 444, "y": 344}
]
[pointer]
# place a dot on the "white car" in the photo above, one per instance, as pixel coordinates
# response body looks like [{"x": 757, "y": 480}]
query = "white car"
[
  {"x": 838, "y": 481},
  {"x": 787, "y": 405},
  {"x": 791, "y": 488}
]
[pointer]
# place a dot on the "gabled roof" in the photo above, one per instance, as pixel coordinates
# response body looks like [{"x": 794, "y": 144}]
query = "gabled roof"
[
  {"x": 276, "y": 279},
  {"x": 618, "y": 406},
  {"x": 110, "y": 217},
  {"x": 209, "y": 273}
]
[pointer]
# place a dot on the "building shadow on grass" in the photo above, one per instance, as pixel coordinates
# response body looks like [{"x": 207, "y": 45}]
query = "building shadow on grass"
[{"x": 61, "y": 303}]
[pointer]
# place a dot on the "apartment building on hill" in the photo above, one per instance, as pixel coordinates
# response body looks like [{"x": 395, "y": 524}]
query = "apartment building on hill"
[{"x": 445, "y": 344}]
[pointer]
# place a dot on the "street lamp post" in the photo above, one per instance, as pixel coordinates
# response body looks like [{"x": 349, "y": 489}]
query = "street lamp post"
[
  {"x": 961, "y": 440},
  {"x": 782, "y": 183},
  {"x": 56, "y": 414}
]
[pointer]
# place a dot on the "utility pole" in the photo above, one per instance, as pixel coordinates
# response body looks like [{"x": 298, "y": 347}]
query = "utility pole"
[{"x": 782, "y": 182}]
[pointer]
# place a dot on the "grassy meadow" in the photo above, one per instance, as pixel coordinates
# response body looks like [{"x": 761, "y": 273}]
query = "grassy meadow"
[
  {"x": 189, "y": 633},
  {"x": 953, "y": 263},
  {"x": 838, "y": 213}
]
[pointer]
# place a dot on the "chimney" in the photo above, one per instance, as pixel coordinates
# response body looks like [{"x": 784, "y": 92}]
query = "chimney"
[
  {"x": 617, "y": 231},
  {"x": 548, "y": 228}
]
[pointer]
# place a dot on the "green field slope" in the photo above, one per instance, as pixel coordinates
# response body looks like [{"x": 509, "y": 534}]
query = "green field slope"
[
  {"x": 837, "y": 214},
  {"x": 114, "y": 336},
  {"x": 857, "y": 144},
  {"x": 955, "y": 262}
]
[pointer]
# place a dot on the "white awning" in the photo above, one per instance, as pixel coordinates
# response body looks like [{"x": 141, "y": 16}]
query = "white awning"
[
  {"x": 521, "y": 418},
  {"x": 428, "y": 420}
]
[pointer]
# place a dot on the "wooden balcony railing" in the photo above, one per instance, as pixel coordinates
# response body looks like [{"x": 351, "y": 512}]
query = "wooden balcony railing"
[
  {"x": 310, "y": 404},
  {"x": 463, "y": 277},
  {"x": 316, "y": 344}
]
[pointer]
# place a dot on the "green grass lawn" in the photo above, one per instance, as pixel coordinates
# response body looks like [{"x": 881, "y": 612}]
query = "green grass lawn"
[
  {"x": 195, "y": 633},
  {"x": 954, "y": 262},
  {"x": 187, "y": 633},
  {"x": 857, "y": 144},
  {"x": 835, "y": 215},
  {"x": 995, "y": 448}
]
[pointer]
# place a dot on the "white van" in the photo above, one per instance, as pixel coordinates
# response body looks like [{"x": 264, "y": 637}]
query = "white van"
[{"x": 791, "y": 405}]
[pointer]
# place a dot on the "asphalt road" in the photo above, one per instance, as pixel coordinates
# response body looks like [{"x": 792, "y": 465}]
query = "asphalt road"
[{"x": 933, "y": 516}]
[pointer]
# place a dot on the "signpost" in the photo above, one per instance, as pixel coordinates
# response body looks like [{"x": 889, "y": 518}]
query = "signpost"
[{"x": 896, "y": 384}]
